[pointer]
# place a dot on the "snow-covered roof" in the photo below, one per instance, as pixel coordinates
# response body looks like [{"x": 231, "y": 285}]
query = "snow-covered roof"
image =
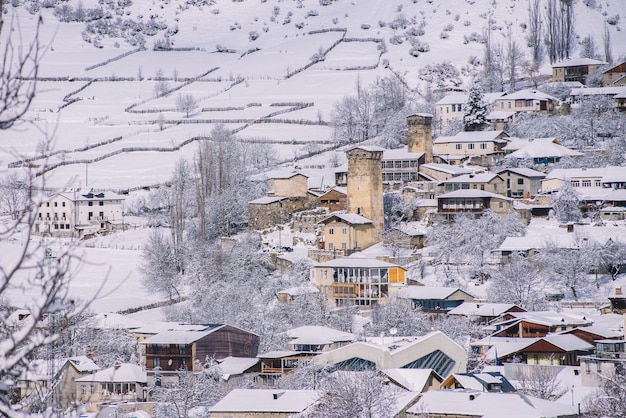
[
  {"x": 575, "y": 62},
  {"x": 543, "y": 147},
  {"x": 283, "y": 175},
  {"x": 411, "y": 379},
  {"x": 79, "y": 195},
  {"x": 484, "y": 177},
  {"x": 300, "y": 290},
  {"x": 350, "y": 218},
  {"x": 461, "y": 98},
  {"x": 500, "y": 115},
  {"x": 481, "y": 309},
  {"x": 370, "y": 148},
  {"x": 119, "y": 373},
  {"x": 472, "y": 193},
  {"x": 469, "y": 136},
  {"x": 598, "y": 91},
  {"x": 319, "y": 332},
  {"x": 357, "y": 262},
  {"x": 428, "y": 292},
  {"x": 527, "y": 95},
  {"x": 523, "y": 171},
  {"x": 401, "y": 154},
  {"x": 83, "y": 364},
  {"x": 281, "y": 353},
  {"x": 489, "y": 405},
  {"x": 568, "y": 342},
  {"x": 449, "y": 169},
  {"x": 266, "y": 401},
  {"x": 178, "y": 337},
  {"x": 266, "y": 200},
  {"x": 111, "y": 320},
  {"x": 162, "y": 326},
  {"x": 600, "y": 330},
  {"x": 236, "y": 365}
]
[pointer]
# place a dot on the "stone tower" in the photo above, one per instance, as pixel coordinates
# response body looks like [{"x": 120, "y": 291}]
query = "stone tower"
[
  {"x": 365, "y": 184},
  {"x": 420, "y": 135}
]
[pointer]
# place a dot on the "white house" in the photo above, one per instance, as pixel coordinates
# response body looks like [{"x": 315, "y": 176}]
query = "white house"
[{"x": 78, "y": 213}]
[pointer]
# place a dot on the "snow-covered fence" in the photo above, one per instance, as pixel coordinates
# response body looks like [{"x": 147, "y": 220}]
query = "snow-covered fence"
[{"x": 116, "y": 58}]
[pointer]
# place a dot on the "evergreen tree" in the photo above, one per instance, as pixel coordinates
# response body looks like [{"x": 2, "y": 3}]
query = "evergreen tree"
[{"x": 475, "y": 110}]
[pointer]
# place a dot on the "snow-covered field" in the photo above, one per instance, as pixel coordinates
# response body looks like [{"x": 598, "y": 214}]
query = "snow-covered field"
[{"x": 227, "y": 83}]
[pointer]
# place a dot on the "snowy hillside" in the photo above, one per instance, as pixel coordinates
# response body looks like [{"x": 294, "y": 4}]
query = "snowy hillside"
[{"x": 283, "y": 63}]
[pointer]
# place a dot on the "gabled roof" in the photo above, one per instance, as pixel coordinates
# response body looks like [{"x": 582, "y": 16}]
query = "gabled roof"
[
  {"x": 369, "y": 148},
  {"x": 311, "y": 332},
  {"x": 284, "y": 175},
  {"x": 598, "y": 91},
  {"x": 414, "y": 380},
  {"x": 470, "y": 136},
  {"x": 484, "y": 177},
  {"x": 471, "y": 403},
  {"x": 267, "y": 200},
  {"x": 576, "y": 62},
  {"x": 130, "y": 373},
  {"x": 349, "y": 218},
  {"x": 527, "y": 95},
  {"x": 600, "y": 331},
  {"x": 177, "y": 336},
  {"x": 76, "y": 196},
  {"x": 236, "y": 365},
  {"x": 479, "y": 381},
  {"x": 266, "y": 401},
  {"x": 524, "y": 172},
  {"x": 83, "y": 364},
  {"x": 429, "y": 292},
  {"x": 608, "y": 174},
  {"x": 455, "y": 170},
  {"x": 542, "y": 148},
  {"x": 401, "y": 154},
  {"x": 482, "y": 309}
]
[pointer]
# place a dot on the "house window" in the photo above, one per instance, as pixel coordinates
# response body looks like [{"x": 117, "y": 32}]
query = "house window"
[
  {"x": 483, "y": 146},
  {"x": 598, "y": 183},
  {"x": 586, "y": 183},
  {"x": 56, "y": 204},
  {"x": 90, "y": 204},
  {"x": 101, "y": 203},
  {"x": 343, "y": 245},
  {"x": 575, "y": 183},
  {"x": 470, "y": 146},
  {"x": 331, "y": 246},
  {"x": 91, "y": 389},
  {"x": 67, "y": 226},
  {"x": 101, "y": 215},
  {"x": 344, "y": 231},
  {"x": 83, "y": 389},
  {"x": 157, "y": 363},
  {"x": 63, "y": 204},
  {"x": 500, "y": 205},
  {"x": 90, "y": 215},
  {"x": 458, "y": 146},
  {"x": 47, "y": 204},
  {"x": 520, "y": 181},
  {"x": 331, "y": 231}
]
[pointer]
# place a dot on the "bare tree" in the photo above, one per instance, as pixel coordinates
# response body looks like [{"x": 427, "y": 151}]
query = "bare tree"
[
  {"x": 540, "y": 381},
  {"x": 514, "y": 59},
  {"x": 610, "y": 399},
  {"x": 606, "y": 43},
  {"x": 355, "y": 395},
  {"x": 520, "y": 281},
  {"x": 14, "y": 193},
  {"x": 20, "y": 66},
  {"x": 186, "y": 104},
  {"x": 535, "y": 27}
]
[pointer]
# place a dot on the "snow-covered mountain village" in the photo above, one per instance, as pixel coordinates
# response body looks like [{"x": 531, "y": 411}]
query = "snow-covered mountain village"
[{"x": 313, "y": 208}]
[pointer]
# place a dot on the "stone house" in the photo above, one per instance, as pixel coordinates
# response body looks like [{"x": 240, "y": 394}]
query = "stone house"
[
  {"x": 575, "y": 69},
  {"x": 522, "y": 182},
  {"x": 473, "y": 202},
  {"x": 471, "y": 144},
  {"x": 615, "y": 76},
  {"x": 528, "y": 101},
  {"x": 345, "y": 232},
  {"x": 486, "y": 181},
  {"x": 122, "y": 382}
]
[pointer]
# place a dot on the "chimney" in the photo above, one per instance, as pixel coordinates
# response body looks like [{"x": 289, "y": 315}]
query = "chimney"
[{"x": 277, "y": 395}]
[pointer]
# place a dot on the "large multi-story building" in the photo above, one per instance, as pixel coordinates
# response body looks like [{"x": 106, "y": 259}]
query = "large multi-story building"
[{"x": 79, "y": 213}]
